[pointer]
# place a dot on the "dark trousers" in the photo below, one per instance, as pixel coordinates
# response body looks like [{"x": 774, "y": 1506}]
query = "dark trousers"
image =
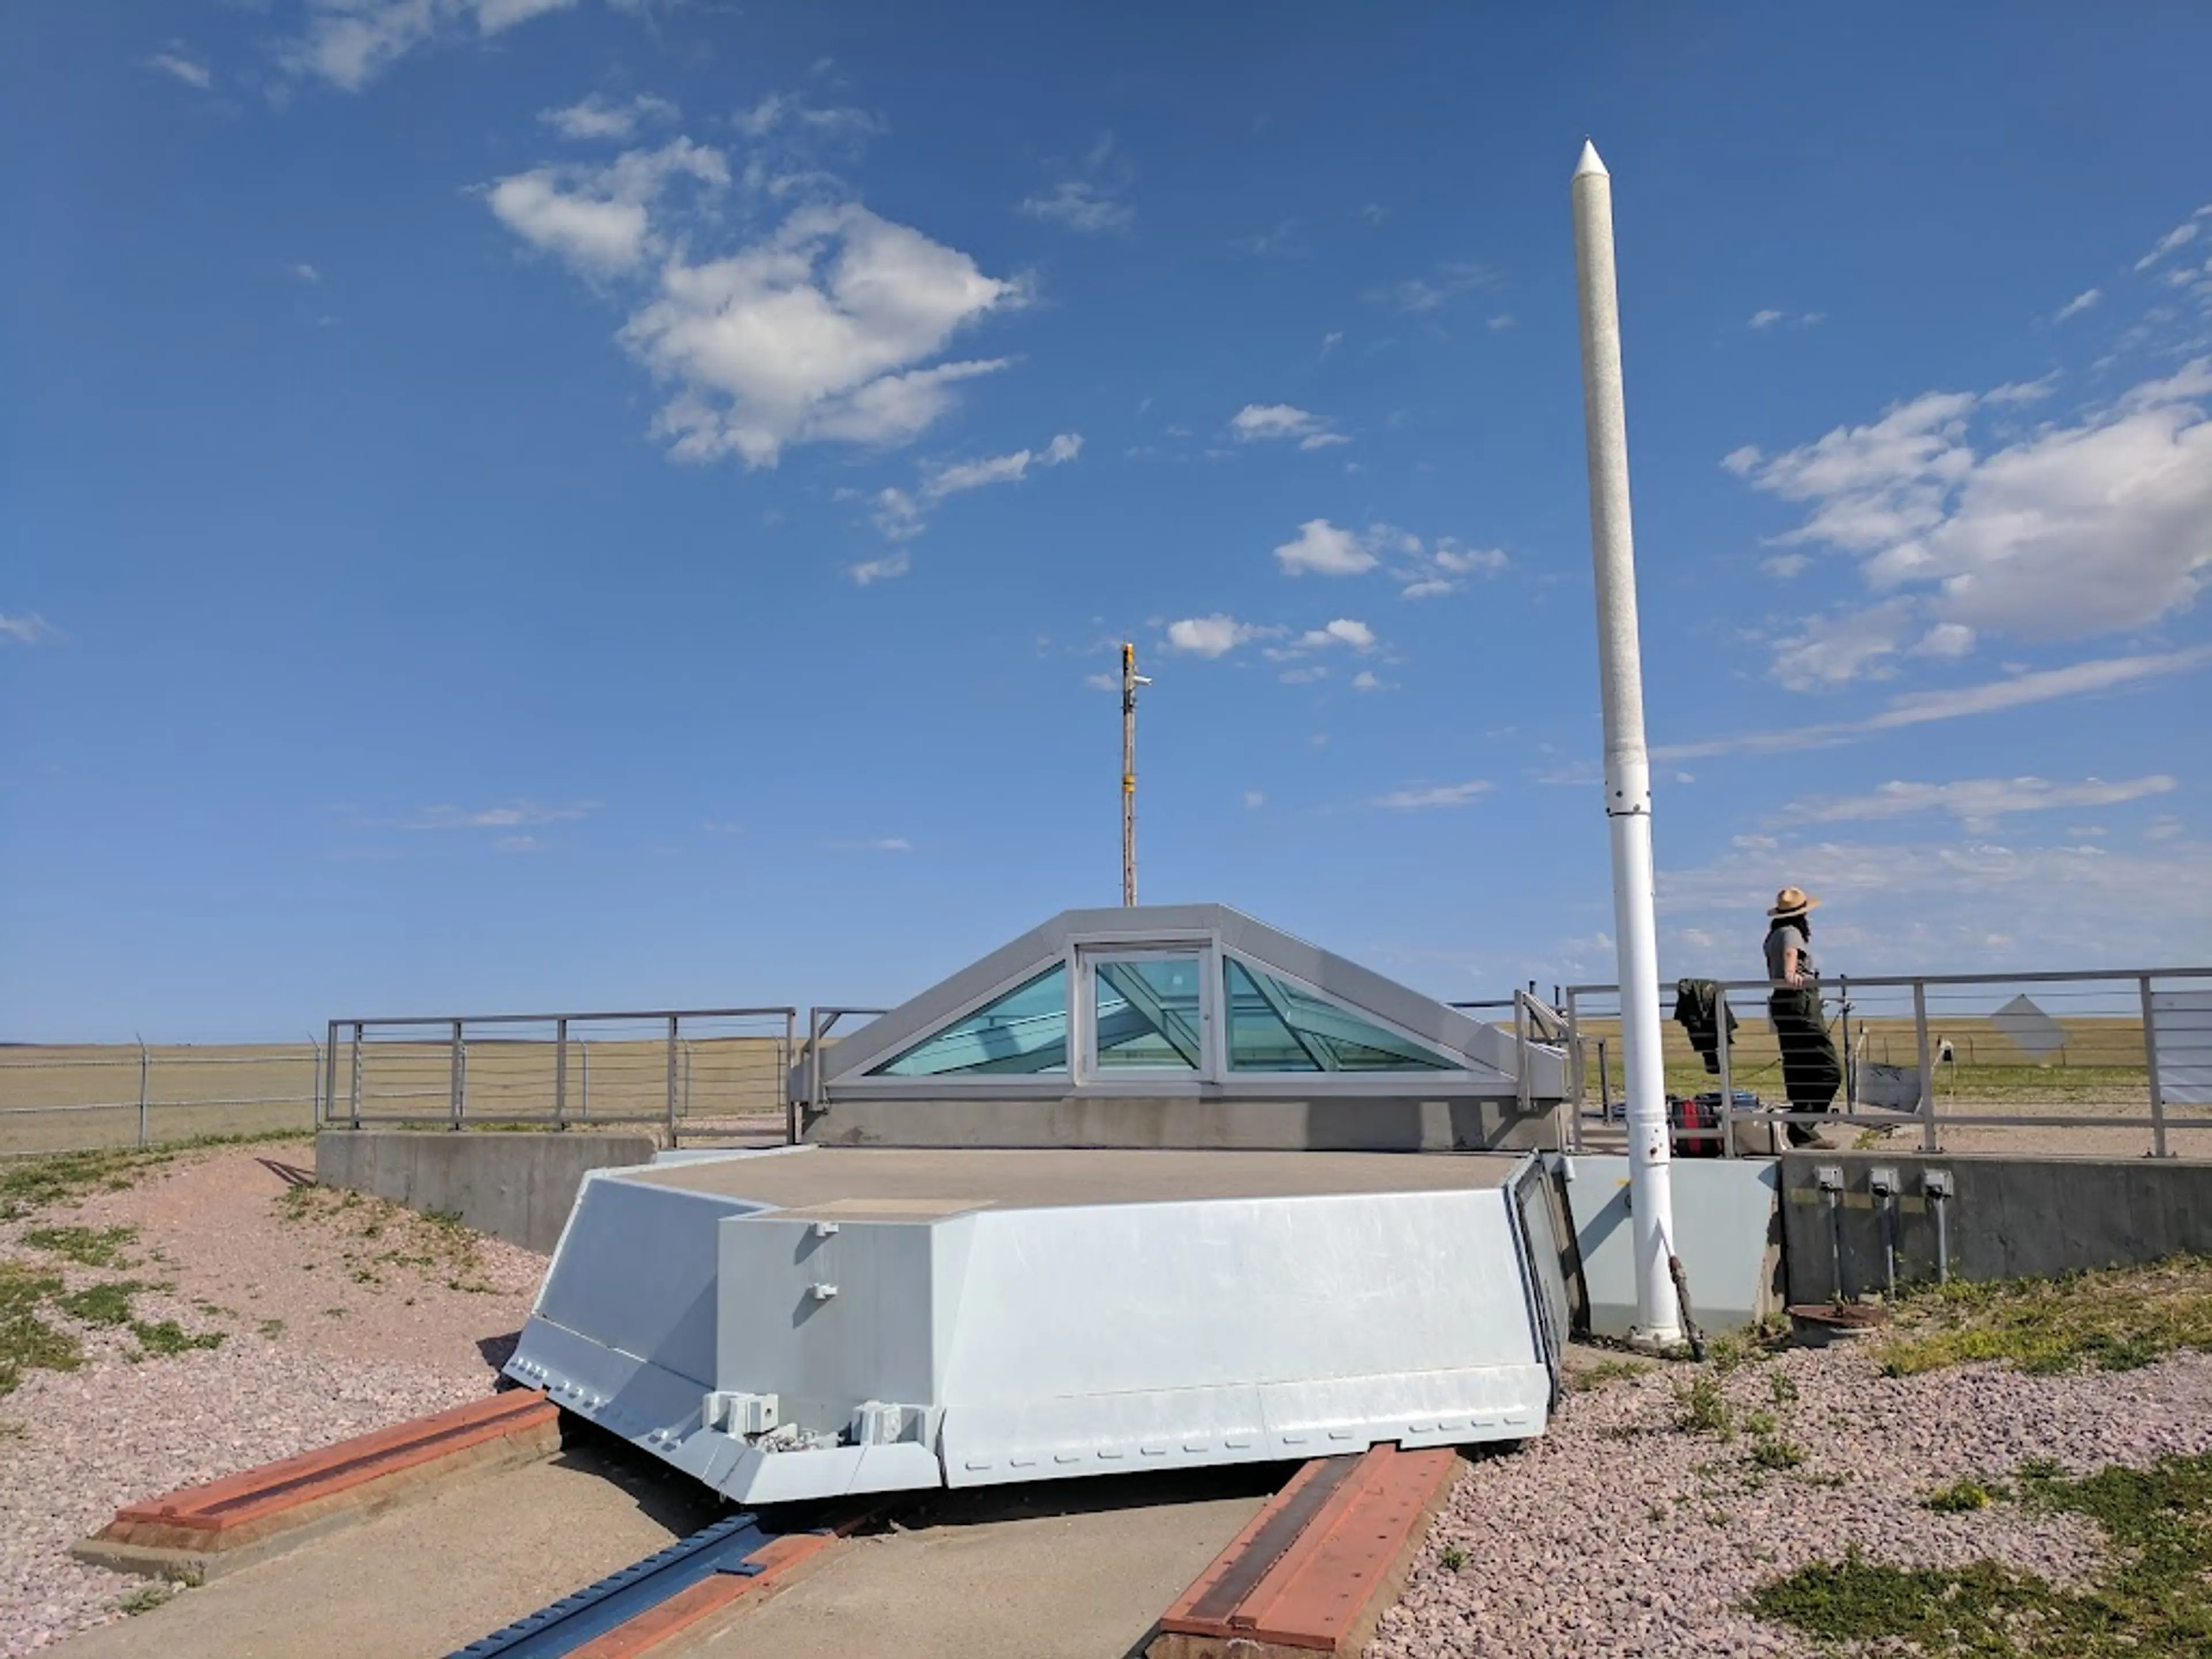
[{"x": 1811, "y": 1072}]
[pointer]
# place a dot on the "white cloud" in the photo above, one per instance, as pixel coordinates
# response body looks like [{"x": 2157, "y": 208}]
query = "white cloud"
[
  {"x": 1975, "y": 801},
  {"x": 29, "y": 629},
  {"x": 1260, "y": 422},
  {"x": 1421, "y": 295},
  {"x": 518, "y": 844},
  {"x": 2079, "y": 303},
  {"x": 874, "y": 844},
  {"x": 2165, "y": 826},
  {"x": 307, "y": 273},
  {"x": 1325, "y": 550},
  {"x": 1921, "y": 708},
  {"x": 2180, "y": 236},
  {"x": 1365, "y": 680},
  {"x": 521, "y": 814},
  {"x": 1427, "y": 573},
  {"x": 1961, "y": 905},
  {"x": 1343, "y": 631},
  {"x": 870, "y": 571},
  {"x": 600, "y": 117},
  {"x": 1761, "y": 321},
  {"x": 1305, "y": 676},
  {"x": 2075, "y": 529},
  {"x": 598, "y": 219},
  {"x": 350, "y": 42},
  {"x": 1946, "y": 640},
  {"x": 792, "y": 110},
  {"x": 1212, "y": 637},
  {"x": 813, "y": 336},
  {"x": 1254, "y": 800},
  {"x": 1764, "y": 319},
  {"x": 1001, "y": 468},
  {"x": 1103, "y": 682},
  {"x": 179, "y": 64},
  {"x": 1501, "y": 322},
  {"x": 1833, "y": 649},
  {"x": 1446, "y": 795},
  {"x": 1782, "y": 566}
]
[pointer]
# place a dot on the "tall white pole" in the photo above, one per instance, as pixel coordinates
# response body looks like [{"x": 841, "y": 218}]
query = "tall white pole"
[{"x": 1627, "y": 767}]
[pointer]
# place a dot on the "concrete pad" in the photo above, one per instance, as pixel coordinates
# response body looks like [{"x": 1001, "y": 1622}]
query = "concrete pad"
[
  {"x": 1075, "y": 1570},
  {"x": 424, "y": 1580}
]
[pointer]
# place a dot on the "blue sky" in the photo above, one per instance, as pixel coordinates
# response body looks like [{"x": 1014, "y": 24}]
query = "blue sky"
[{"x": 507, "y": 504}]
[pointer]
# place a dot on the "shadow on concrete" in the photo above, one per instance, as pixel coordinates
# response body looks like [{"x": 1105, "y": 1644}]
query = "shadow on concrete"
[
  {"x": 662, "y": 1495},
  {"x": 1090, "y": 1495}
]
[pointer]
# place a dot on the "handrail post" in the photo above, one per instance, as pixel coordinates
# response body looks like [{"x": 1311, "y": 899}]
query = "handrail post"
[
  {"x": 1727, "y": 1079},
  {"x": 1574, "y": 1080},
  {"x": 356, "y": 1075},
  {"x": 561, "y": 1072},
  {"x": 1927, "y": 1059},
  {"x": 330, "y": 1070},
  {"x": 2150, "y": 1064},
  {"x": 454, "y": 1084},
  {"x": 783, "y": 1076},
  {"x": 671, "y": 1082},
  {"x": 143, "y": 1069}
]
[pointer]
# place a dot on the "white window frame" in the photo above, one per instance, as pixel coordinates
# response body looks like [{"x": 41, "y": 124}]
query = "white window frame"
[{"x": 1083, "y": 1014}]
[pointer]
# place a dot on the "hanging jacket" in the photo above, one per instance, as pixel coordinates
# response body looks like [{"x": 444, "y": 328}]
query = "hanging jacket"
[{"x": 1698, "y": 1007}]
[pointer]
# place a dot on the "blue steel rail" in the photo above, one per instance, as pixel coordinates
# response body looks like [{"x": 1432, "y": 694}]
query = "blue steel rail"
[{"x": 590, "y": 1612}]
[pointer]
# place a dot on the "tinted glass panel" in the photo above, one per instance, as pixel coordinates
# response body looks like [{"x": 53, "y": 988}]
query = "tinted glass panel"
[
  {"x": 1275, "y": 1026},
  {"x": 1025, "y": 1030},
  {"x": 1147, "y": 1013}
]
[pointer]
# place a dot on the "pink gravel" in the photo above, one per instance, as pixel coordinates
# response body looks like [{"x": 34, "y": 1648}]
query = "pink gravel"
[
  {"x": 312, "y": 1354},
  {"x": 1617, "y": 1534}
]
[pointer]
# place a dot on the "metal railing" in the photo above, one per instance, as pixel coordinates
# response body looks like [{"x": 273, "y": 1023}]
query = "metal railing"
[
  {"x": 695, "y": 1071},
  {"x": 2069, "y": 1051},
  {"x": 86, "y": 1097},
  {"x": 820, "y": 1021}
]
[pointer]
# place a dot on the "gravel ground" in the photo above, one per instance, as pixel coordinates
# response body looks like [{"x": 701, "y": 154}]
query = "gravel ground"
[
  {"x": 1618, "y": 1534},
  {"x": 336, "y": 1319}
]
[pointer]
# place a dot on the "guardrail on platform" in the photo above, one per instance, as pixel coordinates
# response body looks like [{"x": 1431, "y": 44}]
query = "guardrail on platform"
[
  {"x": 691, "y": 1070},
  {"x": 2105, "y": 1050}
]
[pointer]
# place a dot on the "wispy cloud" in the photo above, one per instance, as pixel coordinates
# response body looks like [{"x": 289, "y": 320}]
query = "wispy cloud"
[
  {"x": 179, "y": 64},
  {"x": 599, "y": 117},
  {"x": 29, "y": 629},
  {"x": 1432, "y": 290},
  {"x": 348, "y": 42},
  {"x": 513, "y": 815},
  {"x": 1434, "y": 796},
  {"x": 868, "y": 572},
  {"x": 1092, "y": 200},
  {"x": 901, "y": 514},
  {"x": 2180, "y": 236},
  {"x": 873, "y": 844},
  {"x": 1761, "y": 322},
  {"x": 1922, "y": 707},
  {"x": 598, "y": 219},
  {"x": 2079, "y": 303},
  {"x": 1978, "y": 802},
  {"x": 1263, "y": 423}
]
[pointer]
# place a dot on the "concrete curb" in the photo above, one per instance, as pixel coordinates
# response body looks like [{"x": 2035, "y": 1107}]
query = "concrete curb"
[
  {"x": 200, "y": 1533},
  {"x": 1312, "y": 1572}
]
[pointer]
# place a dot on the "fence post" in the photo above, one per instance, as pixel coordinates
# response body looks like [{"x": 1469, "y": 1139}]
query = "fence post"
[
  {"x": 315, "y": 1086},
  {"x": 142, "y": 1090},
  {"x": 1728, "y": 1076},
  {"x": 561, "y": 1072},
  {"x": 1928, "y": 1139},
  {"x": 454, "y": 1084},
  {"x": 583, "y": 1054},
  {"x": 331, "y": 1069},
  {"x": 356, "y": 1073},
  {"x": 2150, "y": 1063},
  {"x": 671, "y": 1082}
]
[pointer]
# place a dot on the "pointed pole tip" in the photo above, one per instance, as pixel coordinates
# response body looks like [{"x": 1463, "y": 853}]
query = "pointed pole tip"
[{"x": 1589, "y": 163}]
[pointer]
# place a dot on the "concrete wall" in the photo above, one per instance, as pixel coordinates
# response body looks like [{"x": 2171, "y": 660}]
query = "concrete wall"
[
  {"x": 518, "y": 1187},
  {"x": 1338, "y": 1123},
  {"x": 2012, "y": 1218},
  {"x": 1726, "y": 1230}
]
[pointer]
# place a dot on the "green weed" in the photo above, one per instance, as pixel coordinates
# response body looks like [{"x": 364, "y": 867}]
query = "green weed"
[
  {"x": 26, "y": 1341},
  {"x": 89, "y": 1247},
  {"x": 1587, "y": 1378},
  {"x": 2154, "y": 1601},
  {"x": 1771, "y": 1451},
  {"x": 1452, "y": 1558},
  {"x": 165, "y": 1337},
  {"x": 105, "y": 1303},
  {"x": 2114, "y": 1319},
  {"x": 1964, "y": 1495},
  {"x": 1701, "y": 1408}
]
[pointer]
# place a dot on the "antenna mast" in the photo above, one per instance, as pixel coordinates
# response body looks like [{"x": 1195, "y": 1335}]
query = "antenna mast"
[{"x": 1131, "y": 679}]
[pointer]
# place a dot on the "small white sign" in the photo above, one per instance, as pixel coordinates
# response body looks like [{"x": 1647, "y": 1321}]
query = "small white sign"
[{"x": 2032, "y": 1032}]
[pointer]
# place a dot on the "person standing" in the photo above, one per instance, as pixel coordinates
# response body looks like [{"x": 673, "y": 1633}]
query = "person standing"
[{"x": 1811, "y": 1073}]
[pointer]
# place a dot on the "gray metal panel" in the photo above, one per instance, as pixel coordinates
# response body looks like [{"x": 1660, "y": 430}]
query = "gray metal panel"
[{"x": 1043, "y": 947}]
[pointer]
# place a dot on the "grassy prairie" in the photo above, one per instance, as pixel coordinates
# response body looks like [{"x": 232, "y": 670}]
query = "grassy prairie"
[{"x": 54, "y": 1096}]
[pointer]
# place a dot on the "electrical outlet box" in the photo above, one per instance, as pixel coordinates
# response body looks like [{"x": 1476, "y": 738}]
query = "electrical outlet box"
[
  {"x": 1936, "y": 1183},
  {"x": 1881, "y": 1181},
  {"x": 1828, "y": 1178}
]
